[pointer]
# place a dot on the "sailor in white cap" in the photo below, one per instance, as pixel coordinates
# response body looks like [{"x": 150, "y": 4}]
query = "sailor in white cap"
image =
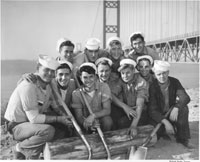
[
  {"x": 59, "y": 42},
  {"x": 26, "y": 112},
  {"x": 46, "y": 62},
  {"x": 103, "y": 68},
  {"x": 65, "y": 84},
  {"x": 99, "y": 97},
  {"x": 114, "y": 47},
  {"x": 91, "y": 53},
  {"x": 144, "y": 67},
  {"x": 161, "y": 70},
  {"x": 126, "y": 50},
  {"x": 126, "y": 62},
  {"x": 135, "y": 93},
  {"x": 145, "y": 57},
  {"x": 66, "y": 49},
  {"x": 63, "y": 81},
  {"x": 91, "y": 49},
  {"x": 69, "y": 64},
  {"x": 89, "y": 64},
  {"x": 104, "y": 73},
  {"x": 138, "y": 47},
  {"x": 113, "y": 39},
  {"x": 167, "y": 92},
  {"x": 93, "y": 44}
]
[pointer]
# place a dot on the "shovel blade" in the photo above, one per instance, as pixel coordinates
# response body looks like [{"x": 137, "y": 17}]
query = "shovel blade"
[{"x": 139, "y": 154}]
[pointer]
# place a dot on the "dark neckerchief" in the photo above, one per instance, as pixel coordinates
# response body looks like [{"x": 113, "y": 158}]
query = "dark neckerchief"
[
  {"x": 62, "y": 87},
  {"x": 147, "y": 78}
]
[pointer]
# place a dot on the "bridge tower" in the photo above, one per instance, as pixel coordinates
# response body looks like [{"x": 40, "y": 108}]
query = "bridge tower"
[{"x": 111, "y": 25}]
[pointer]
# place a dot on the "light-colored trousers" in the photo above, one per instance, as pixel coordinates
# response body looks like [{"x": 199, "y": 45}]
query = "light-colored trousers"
[{"x": 32, "y": 137}]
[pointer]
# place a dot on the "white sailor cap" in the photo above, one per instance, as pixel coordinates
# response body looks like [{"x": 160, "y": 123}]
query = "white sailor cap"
[
  {"x": 48, "y": 62},
  {"x": 138, "y": 32},
  {"x": 89, "y": 64},
  {"x": 160, "y": 65},
  {"x": 103, "y": 59},
  {"x": 92, "y": 44},
  {"x": 66, "y": 62},
  {"x": 111, "y": 39},
  {"x": 145, "y": 57},
  {"x": 126, "y": 62},
  {"x": 59, "y": 42}
]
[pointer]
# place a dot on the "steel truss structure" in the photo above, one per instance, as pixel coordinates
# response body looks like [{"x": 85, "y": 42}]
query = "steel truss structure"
[
  {"x": 184, "y": 48},
  {"x": 107, "y": 26}
]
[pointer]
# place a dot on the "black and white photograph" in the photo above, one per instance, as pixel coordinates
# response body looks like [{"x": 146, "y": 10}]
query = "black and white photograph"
[{"x": 100, "y": 80}]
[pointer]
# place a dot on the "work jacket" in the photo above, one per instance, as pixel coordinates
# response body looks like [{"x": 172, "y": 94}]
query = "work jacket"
[{"x": 177, "y": 98}]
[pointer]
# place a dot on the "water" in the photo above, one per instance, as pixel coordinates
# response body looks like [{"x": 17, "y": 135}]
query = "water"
[
  {"x": 187, "y": 73},
  {"x": 8, "y": 84}
]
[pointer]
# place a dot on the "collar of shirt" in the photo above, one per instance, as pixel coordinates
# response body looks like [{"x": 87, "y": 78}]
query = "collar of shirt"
[
  {"x": 91, "y": 94},
  {"x": 61, "y": 87},
  {"x": 132, "y": 82},
  {"x": 63, "y": 93},
  {"x": 96, "y": 86}
]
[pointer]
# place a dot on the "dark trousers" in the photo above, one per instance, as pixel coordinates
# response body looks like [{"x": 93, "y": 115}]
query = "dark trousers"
[
  {"x": 116, "y": 114},
  {"x": 121, "y": 120},
  {"x": 181, "y": 126},
  {"x": 61, "y": 130}
]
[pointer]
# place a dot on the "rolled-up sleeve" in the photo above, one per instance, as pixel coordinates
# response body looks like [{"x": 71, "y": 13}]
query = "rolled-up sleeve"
[{"x": 35, "y": 117}]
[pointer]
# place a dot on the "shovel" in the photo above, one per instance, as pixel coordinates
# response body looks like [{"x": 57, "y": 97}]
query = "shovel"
[{"x": 141, "y": 152}]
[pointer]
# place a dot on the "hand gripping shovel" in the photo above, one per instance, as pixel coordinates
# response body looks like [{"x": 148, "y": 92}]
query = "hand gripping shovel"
[
  {"x": 141, "y": 152},
  {"x": 78, "y": 129},
  {"x": 98, "y": 128},
  {"x": 101, "y": 135}
]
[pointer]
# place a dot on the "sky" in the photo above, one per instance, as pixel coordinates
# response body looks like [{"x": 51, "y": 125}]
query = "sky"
[{"x": 30, "y": 28}]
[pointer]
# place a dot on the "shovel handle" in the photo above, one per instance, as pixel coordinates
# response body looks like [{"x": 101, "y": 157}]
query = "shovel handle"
[
  {"x": 78, "y": 129},
  {"x": 101, "y": 135},
  {"x": 156, "y": 128},
  {"x": 98, "y": 128}
]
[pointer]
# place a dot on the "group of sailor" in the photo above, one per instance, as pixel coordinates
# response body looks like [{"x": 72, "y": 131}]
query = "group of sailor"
[{"x": 124, "y": 90}]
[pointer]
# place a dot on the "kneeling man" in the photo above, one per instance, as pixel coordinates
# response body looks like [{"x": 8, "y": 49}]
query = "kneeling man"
[
  {"x": 98, "y": 96},
  {"x": 26, "y": 111},
  {"x": 166, "y": 92}
]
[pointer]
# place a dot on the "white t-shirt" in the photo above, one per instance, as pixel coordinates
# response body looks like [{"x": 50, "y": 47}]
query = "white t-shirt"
[{"x": 27, "y": 102}]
